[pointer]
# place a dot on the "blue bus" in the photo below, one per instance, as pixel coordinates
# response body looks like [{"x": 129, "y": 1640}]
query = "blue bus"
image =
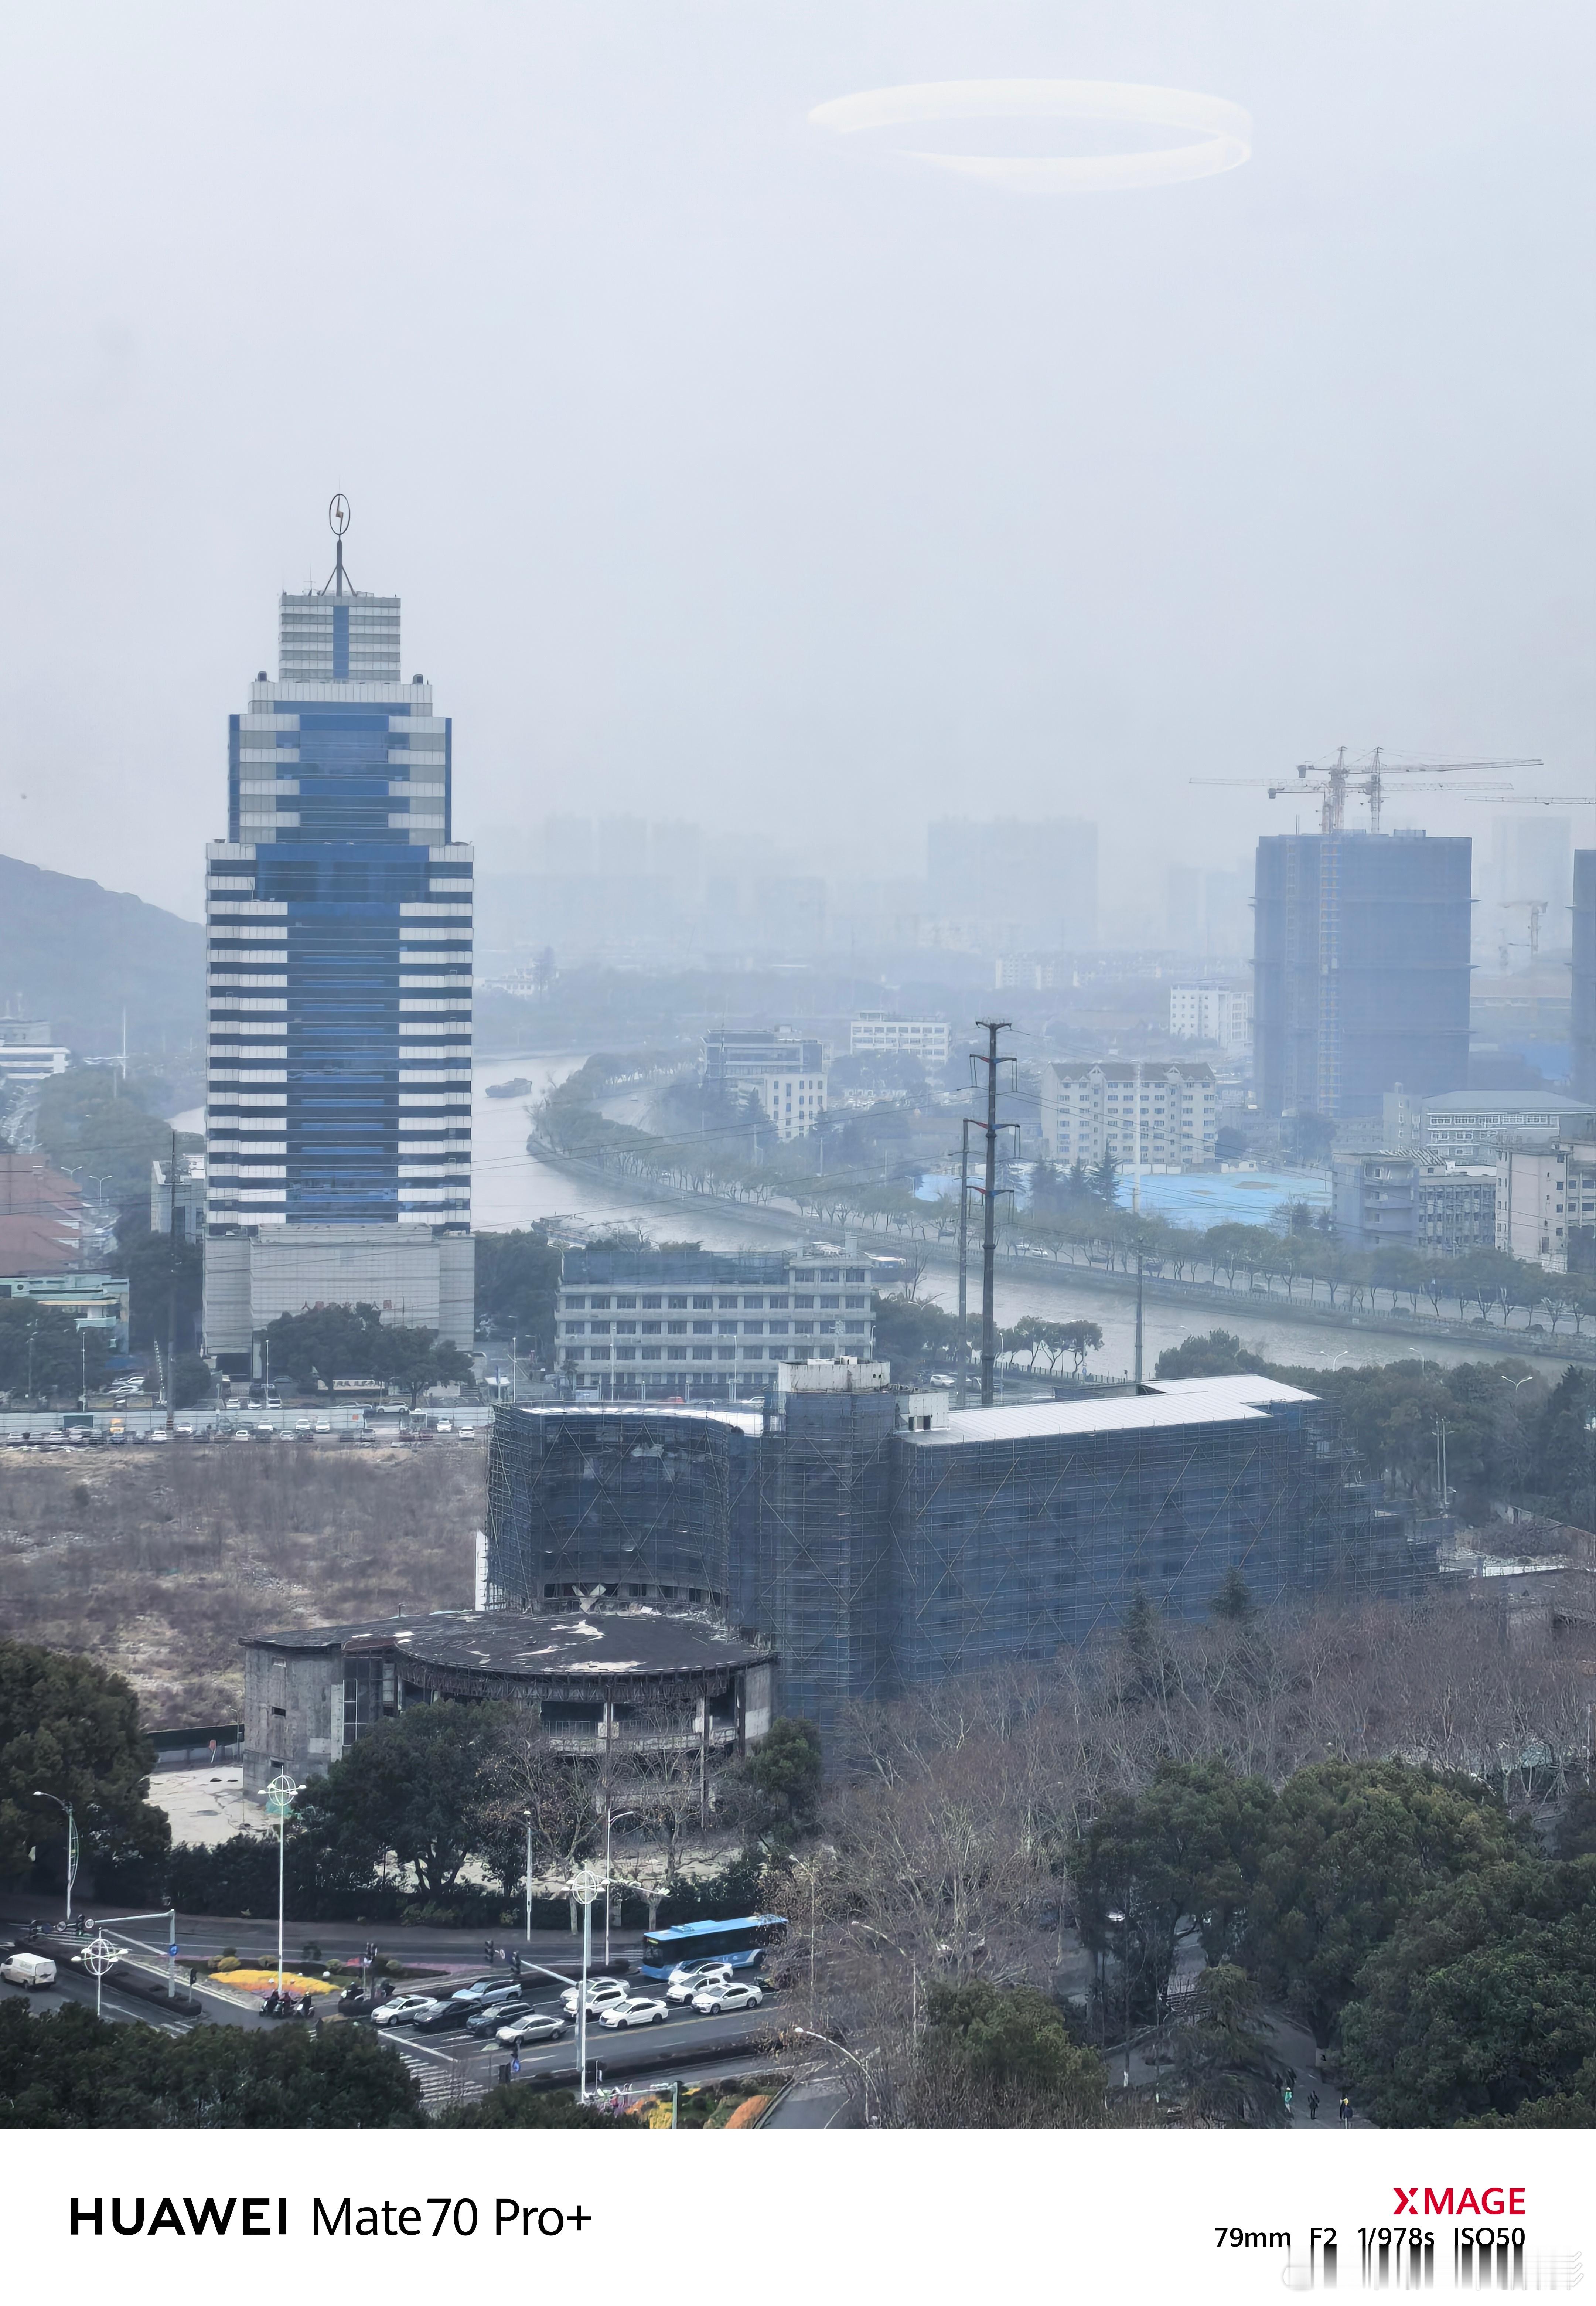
[{"x": 738, "y": 1943}]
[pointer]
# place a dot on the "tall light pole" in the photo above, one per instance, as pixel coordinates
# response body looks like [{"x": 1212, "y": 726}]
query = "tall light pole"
[
  {"x": 72, "y": 1842},
  {"x": 99, "y": 1955},
  {"x": 862, "y": 2064},
  {"x": 585, "y": 1887},
  {"x": 279, "y": 1800},
  {"x": 610, "y": 1817},
  {"x": 1124, "y": 1921},
  {"x": 527, "y": 1814}
]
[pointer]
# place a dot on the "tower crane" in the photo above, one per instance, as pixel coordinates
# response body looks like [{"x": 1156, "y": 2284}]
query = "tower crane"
[{"x": 1330, "y": 780}]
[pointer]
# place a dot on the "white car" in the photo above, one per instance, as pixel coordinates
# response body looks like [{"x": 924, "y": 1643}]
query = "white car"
[
  {"x": 324, "y": 1425},
  {"x": 685, "y": 1981},
  {"x": 728, "y": 1994},
  {"x": 601, "y": 1993},
  {"x": 404, "y": 2009},
  {"x": 640, "y": 2009},
  {"x": 536, "y": 2026}
]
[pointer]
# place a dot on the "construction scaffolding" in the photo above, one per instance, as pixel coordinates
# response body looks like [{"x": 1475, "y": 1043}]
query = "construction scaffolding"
[{"x": 877, "y": 1549}]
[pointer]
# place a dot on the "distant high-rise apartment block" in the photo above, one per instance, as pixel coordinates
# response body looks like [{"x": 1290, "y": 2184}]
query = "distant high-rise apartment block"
[
  {"x": 1212, "y": 1012},
  {"x": 1361, "y": 969},
  {"x": 1089, "y": 1109},
  {"x": 1034, "y": 881},
  {"x": 1584, "y": 990},
  {"x": 339, "y": 917},
  {"x": 874, "y": 1032}
]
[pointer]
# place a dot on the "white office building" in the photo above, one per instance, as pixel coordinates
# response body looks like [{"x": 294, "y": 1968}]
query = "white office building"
[
  {"x": 1544, "y": 1198},
  {"x": 1221, "y": 1013},
  {"x": 875, "y": 1033},
  {"x": 27, "y": 1053}
]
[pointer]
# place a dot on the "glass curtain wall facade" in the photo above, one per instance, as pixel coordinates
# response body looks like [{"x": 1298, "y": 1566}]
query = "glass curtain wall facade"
[{"x": 339, "y": 943}]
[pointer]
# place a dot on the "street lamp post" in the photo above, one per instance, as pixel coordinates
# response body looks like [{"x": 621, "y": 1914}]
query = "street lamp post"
[
  {"x": 862, "y": 2064},
  {"x": 527, "y": 1814},
  {"x": 585, "y": 1887},
  {"x": 279, "y": 1799},
  {"x": 1125, "y": 1922},
  {"x": 610, "y": 1817},
  {"x": 72, "y": 1842},
  {"x": 99, "y": 1955}
]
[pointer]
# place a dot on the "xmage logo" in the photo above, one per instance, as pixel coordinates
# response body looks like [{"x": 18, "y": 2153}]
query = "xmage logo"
[{"x": 1484, "y": 2201}]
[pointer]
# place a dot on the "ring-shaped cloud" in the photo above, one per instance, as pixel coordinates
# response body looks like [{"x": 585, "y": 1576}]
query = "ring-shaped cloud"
[{"x": 1225, "y": 130}]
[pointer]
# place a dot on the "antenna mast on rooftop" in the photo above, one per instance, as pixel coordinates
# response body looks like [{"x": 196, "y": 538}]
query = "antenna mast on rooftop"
[{"x": 337, "y": 520}]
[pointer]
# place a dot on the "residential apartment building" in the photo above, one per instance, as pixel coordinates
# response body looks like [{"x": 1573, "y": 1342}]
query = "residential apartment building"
[
  {"x": 779, "y": 1071},
  {"x": 1088, "y": 1108},
  {"x": 339, "y": 933},
  {"x": 874, "y": 1033},
  {"x": 1362, "y": 969},
  {"x": 704, "y": 1325},
  {"x": 1212, "y": 1012},
  {"x": 41, "y": 1217},
  {"x": 1583, "y": 987},
  {"x": 1546, "y": 1205}
]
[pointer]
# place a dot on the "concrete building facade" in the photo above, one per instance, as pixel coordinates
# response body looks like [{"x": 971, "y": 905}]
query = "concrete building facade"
[
  {"x": 28, "y": 1056},
  {"x": 1088, "y": 1108},
  {"x": 1584, "y": 983},
  {"x": 1477, "y": 1125},
  {"x": 1546, "y": 1205},
  {"x": 1413, "y": 1201},
  {"x": 705, "y": 1325},
  {"x": 781, "y": 1074},
  {"x": 187, "y": 1208},
  {"x": 874, "y": 1032}
]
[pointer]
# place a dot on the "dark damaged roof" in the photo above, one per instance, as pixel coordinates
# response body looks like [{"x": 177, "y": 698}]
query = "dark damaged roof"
[{"x": 515, "y": 1643}]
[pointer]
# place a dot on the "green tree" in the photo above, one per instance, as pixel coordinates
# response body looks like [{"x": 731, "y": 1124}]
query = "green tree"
[
  {"x": 70, "y": 2069},
  {"x": 785, "y": 1770},
  {"x": 1106, "y": 1180},
  {"x": 1352, "y": 1846},
  {"x": 191, "y": 1380},
  {"x": 44, "y": 1354},
  {"x": 1484, "y": 2000},
  {"x": 1180, "y": 1857},
  {"x": 166, "y": 1283},
  {"x": 417, "y": 1785},
  {"x": 1222, "y": 2060},
  {"x": 1564, "y": 1448},
  {"x": 91, "y": 1121},
  {"x": 991, "y": 2052},
  {"x": 517, "y": 1287},
  {"x": 914, "y": 1334},
  {"x": 334, "y": 1341},
  {"x": 71, "y": 1729},
  {"x": 1233, "y": 1603},
  {"x": 1221, "y": 1354},
  {"x": 514, "y": 2107}
]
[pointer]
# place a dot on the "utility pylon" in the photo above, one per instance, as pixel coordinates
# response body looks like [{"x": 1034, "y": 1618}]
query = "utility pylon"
[{"x": 989, "y": 1127}]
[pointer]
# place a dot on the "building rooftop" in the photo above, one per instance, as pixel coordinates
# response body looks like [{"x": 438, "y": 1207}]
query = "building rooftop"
[
  {"x": 1507, "y": 1103},
  {"x": 515, "y": 1643},
  {"x": 650, "y": 1412},
  {"x": 1178, "y": 1401},
  {"x": 608, "y": 1267}
]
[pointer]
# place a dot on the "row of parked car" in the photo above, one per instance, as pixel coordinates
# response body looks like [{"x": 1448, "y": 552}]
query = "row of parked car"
[{"x": 502, "y": 2007}]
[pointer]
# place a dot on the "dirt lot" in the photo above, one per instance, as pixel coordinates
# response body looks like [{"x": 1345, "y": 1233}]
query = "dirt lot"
[{"x": 156, "y": 1562}]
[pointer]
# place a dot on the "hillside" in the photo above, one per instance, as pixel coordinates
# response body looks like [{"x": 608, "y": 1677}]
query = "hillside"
[{"x": 78, "y": 954}]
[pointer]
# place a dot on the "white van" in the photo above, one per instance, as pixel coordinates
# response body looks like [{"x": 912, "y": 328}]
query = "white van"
[{"x": 28, "y": 1969}]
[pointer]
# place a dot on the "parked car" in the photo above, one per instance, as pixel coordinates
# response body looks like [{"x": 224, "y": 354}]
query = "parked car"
[
  {"x": 639, "y": 2010},
  {"x": 404, "y": 2009},
  {"x": 688, "y": 1976},
  {"x": 727, "y": 1994},
  {"x": 536, "y": 2026},
  {"x": 601, "y": 1993},
  {"x": 30, "y": 1970},
  {"x": 324, "y": 1425}
]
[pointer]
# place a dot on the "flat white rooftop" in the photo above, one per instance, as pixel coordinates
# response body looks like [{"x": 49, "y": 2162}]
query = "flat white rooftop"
[{"x": 1179, "y": 1401}]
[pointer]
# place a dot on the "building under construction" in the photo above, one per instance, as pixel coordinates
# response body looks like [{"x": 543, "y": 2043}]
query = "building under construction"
[
  {"x": 1584, "y": 990},
  {"x": 878, "y": 1540},
  {"x": 1361, "y": 944}
]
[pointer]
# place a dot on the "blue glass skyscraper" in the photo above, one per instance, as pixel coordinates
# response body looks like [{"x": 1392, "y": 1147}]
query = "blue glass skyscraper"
[{"x": 339, "y": 947}]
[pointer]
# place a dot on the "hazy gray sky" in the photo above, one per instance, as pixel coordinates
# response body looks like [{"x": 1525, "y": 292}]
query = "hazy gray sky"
[{"x": 724, "y": 465}]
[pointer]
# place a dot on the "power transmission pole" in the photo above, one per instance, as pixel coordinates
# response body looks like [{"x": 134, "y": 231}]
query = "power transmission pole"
[
  {"x": 989, "y": 1215},
  {"x": 172, "y": 1280},
  {"x": 962, "y": 1399}
]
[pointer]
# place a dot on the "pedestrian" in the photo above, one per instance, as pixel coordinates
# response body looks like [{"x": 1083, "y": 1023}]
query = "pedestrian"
[
  {"x": 1286, "y": 2095},
  {"x": 1313, "y": 2105},
  {"x": 515, "y": 2065},
  {"x": 193, "y": 1976},
  {"x": 1346, "y": 2111}
]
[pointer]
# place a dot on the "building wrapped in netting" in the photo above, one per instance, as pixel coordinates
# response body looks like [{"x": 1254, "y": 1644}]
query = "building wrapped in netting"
[{"x": 879, "y": 1541}]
